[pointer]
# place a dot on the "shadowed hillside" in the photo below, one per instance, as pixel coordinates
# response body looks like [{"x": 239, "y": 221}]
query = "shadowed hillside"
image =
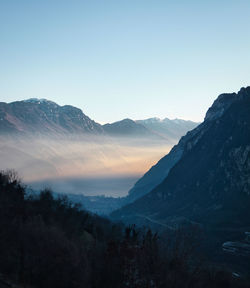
[{"x": 47, "y": 242}]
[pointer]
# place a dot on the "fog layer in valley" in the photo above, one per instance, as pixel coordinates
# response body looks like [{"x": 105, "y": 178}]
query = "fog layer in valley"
[{"x": 89, "y": 165}]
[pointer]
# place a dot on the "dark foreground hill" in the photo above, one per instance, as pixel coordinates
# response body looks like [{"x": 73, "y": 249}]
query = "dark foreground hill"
[{"x": 52, "y": 243}]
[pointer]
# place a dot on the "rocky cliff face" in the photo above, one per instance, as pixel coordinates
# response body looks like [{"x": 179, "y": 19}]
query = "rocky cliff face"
[
  {"x": 209, "y": 181},
  {"x": 223, "y": 102}
]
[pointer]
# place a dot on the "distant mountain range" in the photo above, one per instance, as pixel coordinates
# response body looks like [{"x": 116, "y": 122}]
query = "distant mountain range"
[
  {"x": 45, "y": 141},
  {"x": 205, "y": 179},
  {"x": 38, "y": 116},
  {"x": 152, "y": 127},
  {"x": 168, "y": 128}
]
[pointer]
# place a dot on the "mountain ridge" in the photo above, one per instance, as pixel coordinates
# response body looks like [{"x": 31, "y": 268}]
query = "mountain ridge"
[
  {"x": 45, "y": 116},
  {"x": 36, "y": 115},
  {"x": 218, "y": 151}
]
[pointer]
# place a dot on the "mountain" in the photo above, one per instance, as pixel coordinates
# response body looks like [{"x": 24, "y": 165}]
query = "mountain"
[
  {"x": 169, "y": 129},
  {"x": 208, "y": 174},
  {"x": 155, "y": 128},
  {"x": 127, "y": 127},
  {"x": 44, "y": 116}
]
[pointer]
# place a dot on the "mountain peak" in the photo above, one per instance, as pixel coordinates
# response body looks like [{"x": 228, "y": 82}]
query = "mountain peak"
[
  {"x": 39, "y": 101},
  {"x": 44, "y": 116},
  {"x": 224, "y": 101},
  {"x": 151, "y": 120}
]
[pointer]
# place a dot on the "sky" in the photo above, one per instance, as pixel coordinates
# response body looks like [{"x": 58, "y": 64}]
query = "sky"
[{"x": 125, "y": 58}]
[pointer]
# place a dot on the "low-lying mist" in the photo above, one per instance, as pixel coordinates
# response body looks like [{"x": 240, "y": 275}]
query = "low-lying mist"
[
  {"x": 89, "y": 165},
  {"x": 101, "y": 186}
]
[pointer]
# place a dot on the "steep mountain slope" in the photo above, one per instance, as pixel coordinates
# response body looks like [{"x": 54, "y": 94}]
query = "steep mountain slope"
[
  {"x": 158, "y": 172},
  {"x": 43, "y": 116},
  {"x": 210, "y": 182}
]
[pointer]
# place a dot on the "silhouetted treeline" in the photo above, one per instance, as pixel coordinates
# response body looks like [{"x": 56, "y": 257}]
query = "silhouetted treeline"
[{"x": 48, "y": 242}]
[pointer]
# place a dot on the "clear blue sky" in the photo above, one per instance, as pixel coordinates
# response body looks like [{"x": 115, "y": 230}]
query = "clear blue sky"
[{"x": 125, "y": 58}]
